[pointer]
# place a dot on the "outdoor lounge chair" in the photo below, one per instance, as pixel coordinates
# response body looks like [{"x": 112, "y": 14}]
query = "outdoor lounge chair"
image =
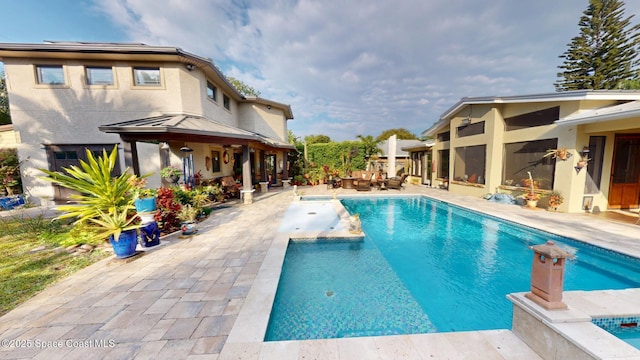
[
  {"x": 363, "y": 185},
  {"x": 397, "y": 181}
]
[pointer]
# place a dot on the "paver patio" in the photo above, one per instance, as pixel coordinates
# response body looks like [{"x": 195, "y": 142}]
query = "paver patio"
[{"x": 181, "y": 300}]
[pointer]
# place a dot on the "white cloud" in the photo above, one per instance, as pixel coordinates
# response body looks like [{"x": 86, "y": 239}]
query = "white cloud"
[{"x": 361, "y": 67}]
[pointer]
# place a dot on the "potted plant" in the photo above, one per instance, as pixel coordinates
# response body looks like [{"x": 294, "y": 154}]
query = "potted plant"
[
  {"x": 560, "y": 153},
  {"x": 171, "y": 173},
  {"x": 144, "y": 199},
  {"x": 104, "y": 202},
  {"x": 555, "y": 200},
  {"x": 531, "y": 198},
  {"x": 582, "y": 162},
  {"x": 187, "y": 215}
]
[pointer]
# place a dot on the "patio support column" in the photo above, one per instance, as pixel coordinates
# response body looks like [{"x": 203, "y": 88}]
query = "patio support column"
[
  {"x": 247, "y": 187},
  {"x": 263, "y": 166},
  {"x": 285, "y": 165},
  {"x": 286, "y": 183},
  {"x": 131, "y": 156}
]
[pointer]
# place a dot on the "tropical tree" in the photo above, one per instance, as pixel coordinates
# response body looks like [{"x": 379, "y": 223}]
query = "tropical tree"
[
  {"x": 369, "y": 145},
  {"x": 316, "y": 139},
  {"x": 243, "y": 88},
  {"x": 291, "y": 137},
  {"x": 629, "y": 84},
  {"x": 401, "y": 134},
  {"x": 5, "y": 117},
  {"x": 604, "y": 54}
]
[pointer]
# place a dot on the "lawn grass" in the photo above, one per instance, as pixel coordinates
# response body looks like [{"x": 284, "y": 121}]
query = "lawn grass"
[{"x": 33, "y": 256}]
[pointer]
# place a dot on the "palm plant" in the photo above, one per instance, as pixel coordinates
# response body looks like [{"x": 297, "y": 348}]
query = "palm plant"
[{"x": 103, "y": 201}]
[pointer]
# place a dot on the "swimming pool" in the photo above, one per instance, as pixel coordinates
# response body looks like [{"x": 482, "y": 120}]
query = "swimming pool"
[
  {"x": 455, "y": 265},
  {"x": 625, "y": 328}
]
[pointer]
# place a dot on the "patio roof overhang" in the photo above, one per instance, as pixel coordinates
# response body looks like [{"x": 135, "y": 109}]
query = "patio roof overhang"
[
  {"x": 577, "y": 95},
  {"x": 193, "y": 128},
  {"x": 419, "y": 147},
  {"x": 610, "y": 113}
]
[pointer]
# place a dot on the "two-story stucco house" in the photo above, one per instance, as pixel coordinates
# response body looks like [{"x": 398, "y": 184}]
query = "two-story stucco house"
[
  {"x": 153, "y": 101},
  {"x": 491, "y": 144}
]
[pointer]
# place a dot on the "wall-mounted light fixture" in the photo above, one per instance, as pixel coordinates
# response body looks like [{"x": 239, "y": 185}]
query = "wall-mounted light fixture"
[
  {"x": 190, "y": 67},
  {"x": 164, "y": 145},
  {"x": 466, "y": 121},
  {"x": 268, "y": 107}
]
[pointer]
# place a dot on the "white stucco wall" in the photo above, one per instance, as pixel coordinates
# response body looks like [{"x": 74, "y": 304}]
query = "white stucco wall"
[{"x": 268, "y": 122}]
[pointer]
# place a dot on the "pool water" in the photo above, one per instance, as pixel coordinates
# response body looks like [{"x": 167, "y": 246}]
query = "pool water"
[
  {"x": 624, "y": 328},
  {"x": 631, "y": 337},
  {"x": 455, "y": 265}
]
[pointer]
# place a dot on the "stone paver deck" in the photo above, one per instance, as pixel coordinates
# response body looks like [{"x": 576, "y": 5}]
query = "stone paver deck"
[{"x": 183, "y": 299}]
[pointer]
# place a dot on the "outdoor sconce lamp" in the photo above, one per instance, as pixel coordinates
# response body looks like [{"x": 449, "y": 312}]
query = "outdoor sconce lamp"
[
  {"x": 190, "y": 67},
  {"x": 466, "y": 121},
  {"x": 164, "y": 146},
  {"x": 268, "y": 107}
]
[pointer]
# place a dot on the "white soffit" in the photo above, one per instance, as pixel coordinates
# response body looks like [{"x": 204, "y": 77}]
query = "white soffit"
[{"x": 610, "y": 113}]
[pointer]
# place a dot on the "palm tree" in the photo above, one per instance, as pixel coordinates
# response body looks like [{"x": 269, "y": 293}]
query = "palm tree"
[{"x": 370, "y": 145}]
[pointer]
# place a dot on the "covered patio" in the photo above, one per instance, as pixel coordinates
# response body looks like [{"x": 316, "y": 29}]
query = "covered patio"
[{"x": 207, "y": 149}]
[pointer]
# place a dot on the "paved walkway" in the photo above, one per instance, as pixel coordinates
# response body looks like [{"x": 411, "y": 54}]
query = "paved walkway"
[{"x": 181, "y": 300}]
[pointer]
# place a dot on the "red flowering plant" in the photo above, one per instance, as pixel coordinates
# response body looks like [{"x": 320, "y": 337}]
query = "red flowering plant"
[{"x": 167, "y": 213}]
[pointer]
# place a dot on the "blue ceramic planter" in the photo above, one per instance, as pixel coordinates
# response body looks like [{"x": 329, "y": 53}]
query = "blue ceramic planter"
[
  {"x": 145, "y": 204},
  {"x": 126, "y": 244},
  {"x": 189, "y": 227},
  {"x": 150, "y": 234}
]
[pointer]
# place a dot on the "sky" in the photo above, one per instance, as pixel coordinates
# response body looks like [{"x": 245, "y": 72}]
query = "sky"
[{"x": 347, "y": 68}]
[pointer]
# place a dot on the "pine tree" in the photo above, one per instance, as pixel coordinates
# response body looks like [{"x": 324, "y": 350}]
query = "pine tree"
[{"x": 604, "y": 54}]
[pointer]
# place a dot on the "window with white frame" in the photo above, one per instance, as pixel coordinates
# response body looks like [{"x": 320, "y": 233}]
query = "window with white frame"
[
  {"x": 212, "y": 91},
  {"x": 50, "y": 74},
  {"x": 99, "y": 75},
  {"x": 469, "y": 164},
  {"x": 529, "y": 156},
  {"x": 146, "y": 76}
]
